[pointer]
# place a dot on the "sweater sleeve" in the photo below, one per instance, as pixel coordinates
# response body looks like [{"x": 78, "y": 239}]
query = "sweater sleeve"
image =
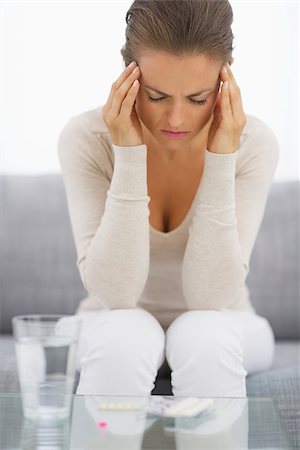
[
  {"x": 109, "y": 219},
  {"x": 228, "y": 215}
]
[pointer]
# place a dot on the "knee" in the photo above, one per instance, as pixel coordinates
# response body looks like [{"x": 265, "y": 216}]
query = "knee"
[
  {"x": 202, "y": 348},
  {"x": 124, "y": 349},
  {"x": 202, "y": 336},
  {"x": 123, "y": 332},
  {"x": 135, "y": 325}
]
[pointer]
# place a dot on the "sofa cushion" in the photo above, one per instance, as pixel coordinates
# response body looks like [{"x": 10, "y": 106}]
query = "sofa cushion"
[
  {"x": 273, "y": 278},
  {"x": 38, "y": 272}
]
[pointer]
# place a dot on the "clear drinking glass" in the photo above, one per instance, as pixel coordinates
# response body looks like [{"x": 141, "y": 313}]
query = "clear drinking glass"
[{"x": 46, "y": 348}]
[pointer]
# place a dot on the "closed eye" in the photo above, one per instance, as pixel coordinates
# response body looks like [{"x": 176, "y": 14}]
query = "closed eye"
[{"x": 197, "y": 102}]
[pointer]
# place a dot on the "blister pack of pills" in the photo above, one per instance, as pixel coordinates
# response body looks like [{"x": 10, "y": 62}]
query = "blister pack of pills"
[
  {"x": 118, "y": 406},
  {"x": 165, "y": 407},
  {"x": 176, "y": 407},
  {"x": 176, "y": 413}
]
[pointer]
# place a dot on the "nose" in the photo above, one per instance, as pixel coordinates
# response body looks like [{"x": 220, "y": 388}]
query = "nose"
[{"x": 175, "y": 116}]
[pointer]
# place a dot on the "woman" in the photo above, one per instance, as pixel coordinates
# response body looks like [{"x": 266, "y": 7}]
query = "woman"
[{"x": 164, "y": 224}]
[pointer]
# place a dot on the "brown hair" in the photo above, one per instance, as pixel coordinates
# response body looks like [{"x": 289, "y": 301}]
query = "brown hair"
[{"x": 179, "y": 27}]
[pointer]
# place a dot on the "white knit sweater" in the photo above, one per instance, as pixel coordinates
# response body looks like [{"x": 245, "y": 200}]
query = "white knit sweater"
[{"x": 124, "y": 262}]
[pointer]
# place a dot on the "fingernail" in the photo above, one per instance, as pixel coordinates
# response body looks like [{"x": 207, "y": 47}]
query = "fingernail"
[{"x": 132, "y": 64}]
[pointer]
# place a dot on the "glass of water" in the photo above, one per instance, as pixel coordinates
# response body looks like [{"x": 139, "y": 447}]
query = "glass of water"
[{"x": 46, "y": 348}]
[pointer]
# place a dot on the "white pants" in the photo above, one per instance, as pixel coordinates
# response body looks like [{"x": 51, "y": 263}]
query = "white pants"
[{"x": 209, "y": 352}]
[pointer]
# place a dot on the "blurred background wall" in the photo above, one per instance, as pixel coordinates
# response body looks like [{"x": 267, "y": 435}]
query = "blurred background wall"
[{"x": 59, "y": 59}]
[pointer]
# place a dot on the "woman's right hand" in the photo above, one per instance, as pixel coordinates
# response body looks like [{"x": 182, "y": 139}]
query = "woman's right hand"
[{"x": 119, "y": 113}]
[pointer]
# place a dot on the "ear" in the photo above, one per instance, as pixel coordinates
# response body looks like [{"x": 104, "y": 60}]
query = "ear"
[{"x": 231, "y": 61}]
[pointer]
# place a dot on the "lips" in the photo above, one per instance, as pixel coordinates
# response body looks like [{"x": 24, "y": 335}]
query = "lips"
[
  {"x": 176, "y": 135},
  {"x": 175, "y": 132}
]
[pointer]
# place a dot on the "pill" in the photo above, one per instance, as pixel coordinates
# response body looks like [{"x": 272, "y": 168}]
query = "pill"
[{"x": 102, "y": 424}]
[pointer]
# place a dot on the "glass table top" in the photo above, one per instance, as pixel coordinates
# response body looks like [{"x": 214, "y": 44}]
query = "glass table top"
[{"x": 134, "y": 423}]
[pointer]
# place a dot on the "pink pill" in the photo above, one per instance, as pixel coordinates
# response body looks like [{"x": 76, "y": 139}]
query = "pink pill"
[{"x": 102, "y": 424}]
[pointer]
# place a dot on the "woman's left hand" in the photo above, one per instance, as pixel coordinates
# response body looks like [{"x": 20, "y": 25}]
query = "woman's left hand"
[{"x": 229, "y": 118}]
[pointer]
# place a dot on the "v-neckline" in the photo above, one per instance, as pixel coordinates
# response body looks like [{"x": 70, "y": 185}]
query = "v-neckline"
[{"x": 181, "y": 225}]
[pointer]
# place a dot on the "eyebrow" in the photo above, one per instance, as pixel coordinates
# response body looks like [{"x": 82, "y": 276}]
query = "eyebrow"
[{"x": 163, "y": 93}]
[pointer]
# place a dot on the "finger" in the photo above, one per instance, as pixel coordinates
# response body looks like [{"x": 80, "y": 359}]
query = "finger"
[
  {"x": 119, "y": 81},
  {"x": 236, "y": 103},
  {"x": 226, "y": 75},
  {"x": 217, "y": 105},
  {"x": 234, "y": 95},
  {"x": 128, "y": 102},
  {"x": 231, "y": 77},
  {"x": 120, "y": 94},
  {"x": 225, "y": 103},
  {"x": 126, "y": 72}
]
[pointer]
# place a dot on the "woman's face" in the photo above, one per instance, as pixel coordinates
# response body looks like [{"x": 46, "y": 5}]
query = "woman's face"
[{"x": 178, "y": 78}]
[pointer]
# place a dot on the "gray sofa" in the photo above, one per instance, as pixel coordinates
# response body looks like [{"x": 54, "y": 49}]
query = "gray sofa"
[{"x": 38, "y": 274}]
